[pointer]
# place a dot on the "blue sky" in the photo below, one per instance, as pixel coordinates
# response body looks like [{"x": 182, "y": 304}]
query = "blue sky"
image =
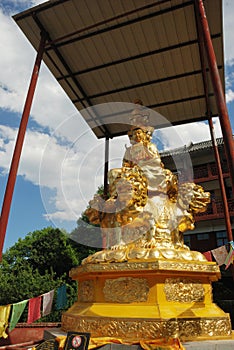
[{"x": 60, "y": 154}]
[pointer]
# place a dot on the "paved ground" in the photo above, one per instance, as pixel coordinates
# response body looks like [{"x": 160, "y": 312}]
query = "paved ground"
[
  {"x": 210, "y": 345},
  {"x": 196, "y": 345}
]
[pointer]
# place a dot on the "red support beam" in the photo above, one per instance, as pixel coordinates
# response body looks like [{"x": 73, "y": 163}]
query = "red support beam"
[
  {"x": 18, "y": 146},
  {"x": 221, "y": 183},
  {"x": 218, "y": 90}
]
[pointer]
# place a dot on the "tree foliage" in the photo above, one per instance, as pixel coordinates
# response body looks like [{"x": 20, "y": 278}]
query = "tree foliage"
[
  {"x": 37, "y": 264},
  {"x": 41, "y": 262},
  {"x": 88, "y": 234}
]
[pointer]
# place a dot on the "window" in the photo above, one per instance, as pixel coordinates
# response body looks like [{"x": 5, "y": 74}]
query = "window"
[
  {"x": 229, "y": 192},
  {"x": 221, "y": 238},
  {"x": 202, "y": 236},
  {"x": 200, "y": 171}
]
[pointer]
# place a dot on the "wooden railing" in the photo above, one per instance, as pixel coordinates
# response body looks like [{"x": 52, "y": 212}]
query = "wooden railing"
[
  {"x": 208, "y": 172},
  {"x": 215, "y": 210}
]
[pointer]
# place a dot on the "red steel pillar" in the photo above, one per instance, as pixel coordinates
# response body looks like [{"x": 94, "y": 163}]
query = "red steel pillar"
[
  {"x": 18, "y": 146},
  {"x": 218, "y": 90},
  {"x": 221, "y": 182}
]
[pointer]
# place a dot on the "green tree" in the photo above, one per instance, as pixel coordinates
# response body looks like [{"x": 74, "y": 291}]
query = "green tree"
[
  {"x": 87, "y": 234},
  {"x": 37, "y": 264}
]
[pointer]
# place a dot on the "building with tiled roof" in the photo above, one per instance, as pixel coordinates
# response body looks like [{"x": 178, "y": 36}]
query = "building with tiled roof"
[{"x": 197, "y": 162}]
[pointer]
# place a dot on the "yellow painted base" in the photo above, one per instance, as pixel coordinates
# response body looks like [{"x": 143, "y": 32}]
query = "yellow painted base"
[{"x": 147, "y": 300}]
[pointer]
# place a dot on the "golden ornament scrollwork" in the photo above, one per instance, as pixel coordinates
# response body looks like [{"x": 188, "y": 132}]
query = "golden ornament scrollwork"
[
  {"x": 175, "y": 266},
  {"x": 86, "y": 291},
  {"x": 204, "y": 327},
  {"x": 156, "y": 265},
  {"x": 151, "y": 329},
  {"x": 216, "y": 328},
  {"x": 183, "y": 290},
  {"x": 126, "y": 290}
]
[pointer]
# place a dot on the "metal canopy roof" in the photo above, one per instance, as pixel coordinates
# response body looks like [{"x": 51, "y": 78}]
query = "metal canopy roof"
[{"x": 103, "y": 51}]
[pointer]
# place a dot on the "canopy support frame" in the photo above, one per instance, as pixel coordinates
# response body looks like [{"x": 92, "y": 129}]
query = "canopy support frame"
[
  {"x": 19, "y": 144},
  {"x": 212, "y": 133},
  {"x": 218, "y": 90}
]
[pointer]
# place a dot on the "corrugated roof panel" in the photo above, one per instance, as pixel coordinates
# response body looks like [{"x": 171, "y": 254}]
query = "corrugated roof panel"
[
  {"x": 29, "y": 25},
  {"x": 171, "y": 36},
  {"x": 217, "y": 48},
  {"x": 147, "y": 49},
  {"x": 58, "y": 68},
  {"x": 186, "y": 29},
  {"x": 68, "y": 85},
  {"x": 194, "y": 87},
  {"x": 214, "y": 15},
  {"x": 82, "y": 61},
  {"x": 190, "y": 57},
  {"x": 96, "y": 83},
  {"x": 55, "y": 22},
  {"x": 86, "y": 13}
]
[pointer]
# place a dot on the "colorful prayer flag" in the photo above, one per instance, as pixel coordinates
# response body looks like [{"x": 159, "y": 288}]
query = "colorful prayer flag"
[
  {"x": 220, "y": 254},
  {"x": 17, "y": 310},
  {"x": 208, "y": 255},
  {"x": 61, "y": 301},
  {"x": 47, "y": 302},
  {"x": 4, "y": 316},
  {"x": 229, "y": 258},
  {"x": 34, "y": 309}
]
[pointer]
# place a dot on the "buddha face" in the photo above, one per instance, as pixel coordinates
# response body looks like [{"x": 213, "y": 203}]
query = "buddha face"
[{"x": 138, "y": 135}]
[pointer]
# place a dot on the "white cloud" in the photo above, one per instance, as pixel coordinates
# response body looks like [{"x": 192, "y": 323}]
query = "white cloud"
[
  {"x": 229, "y": 95},
  {"x": 70, "y": 173},
  {"x": 66, "y": 186},
  {"x": 15, "y": 60},
  {"x": 183, "y": 135},
  {"x": 31, "y": 153},
  {"x": 68, "y": 163},
  {"x": 7, "y": 140},
  {"x": 51, "y": 106},
  {"x": 228, "y": 10},
  {"x": 51, "y": 109},
  {"x": 78, "y": 173}
]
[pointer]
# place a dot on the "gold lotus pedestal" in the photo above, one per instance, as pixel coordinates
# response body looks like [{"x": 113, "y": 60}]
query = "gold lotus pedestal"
[{"x": 147, "y": 300}]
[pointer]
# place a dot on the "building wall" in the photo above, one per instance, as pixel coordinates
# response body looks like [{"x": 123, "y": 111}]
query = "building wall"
[{"x": 210, "y": 229}]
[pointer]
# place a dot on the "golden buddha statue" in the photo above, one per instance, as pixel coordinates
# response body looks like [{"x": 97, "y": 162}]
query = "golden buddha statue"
[
  {"x": 147, "y": 211},
  {"x": 146, "y": 283}
]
